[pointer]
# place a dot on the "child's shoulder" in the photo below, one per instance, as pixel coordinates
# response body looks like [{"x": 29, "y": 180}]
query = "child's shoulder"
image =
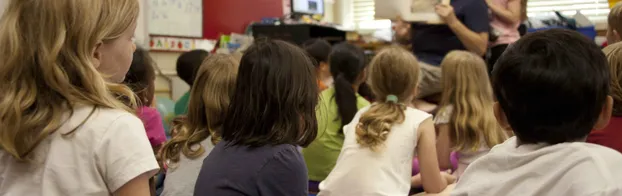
[
  {"x": 416, "y": 113},
  {"x": 103, "y": 119}
]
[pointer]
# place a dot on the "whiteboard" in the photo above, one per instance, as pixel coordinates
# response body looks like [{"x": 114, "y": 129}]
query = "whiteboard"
[{"x": 176, "y": 17}]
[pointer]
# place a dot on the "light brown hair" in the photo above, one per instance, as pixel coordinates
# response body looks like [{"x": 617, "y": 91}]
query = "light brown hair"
[
  {"x": 393, "y": 71},
  {"x": 209, "y": 100},
  {"x": 47, "y": 65},
  {"x": 466, "y": 87},
  {"x": 614, "y": 57},
  {"x": 614, "y": 20}
]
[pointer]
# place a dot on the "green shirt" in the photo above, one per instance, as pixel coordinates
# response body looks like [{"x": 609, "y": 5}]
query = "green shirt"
[
  {"x": 181, "y": 107},
  {"x": 322, "y": 154}
]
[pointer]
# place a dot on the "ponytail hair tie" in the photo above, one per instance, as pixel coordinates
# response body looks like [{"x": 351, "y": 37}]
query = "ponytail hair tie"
[{"x": 392, "y": 98}]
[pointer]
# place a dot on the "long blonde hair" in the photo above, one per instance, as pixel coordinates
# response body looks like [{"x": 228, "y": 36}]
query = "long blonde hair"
[
  {"x": 466, "y": 86},
  {"x": 209, "y": 100},
  {"x": 394, "y": 71},
  {"x": 47, "y": 65},
  {"x": 614, "y": 56}
]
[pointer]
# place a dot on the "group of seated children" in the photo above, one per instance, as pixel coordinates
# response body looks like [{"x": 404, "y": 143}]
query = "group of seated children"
[
  {"x": 66, "y": 124},
  {"x": 375, "y": 147}
]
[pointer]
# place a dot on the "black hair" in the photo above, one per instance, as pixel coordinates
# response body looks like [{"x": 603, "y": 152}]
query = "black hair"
[
  {"x": 552, "y": 86},
  {"x": 188, "y": 64},
  {"x": 275, "y": 97},
  {"x": 318, "y": 49},
  {"x": 347, "y": 62},
  {"x": 141, "y": 77}
]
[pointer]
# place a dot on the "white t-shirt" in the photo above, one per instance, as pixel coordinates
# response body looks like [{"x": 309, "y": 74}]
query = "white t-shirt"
[
  {"x": 182, "y": 176},
  {"x": 361, "y": 171},
  {"x": 110, "y": 149},
  {"x": 568, "y": 169}
]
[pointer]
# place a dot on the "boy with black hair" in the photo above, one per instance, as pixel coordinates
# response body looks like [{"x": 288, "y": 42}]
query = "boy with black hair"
[
  {"x": 318, "y": 50},
  {"x": 187, "y": 65},
  {"x": 552, "y": 89}
]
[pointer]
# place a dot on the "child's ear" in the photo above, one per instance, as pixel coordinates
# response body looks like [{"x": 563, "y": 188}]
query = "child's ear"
[
  {"x": 97, "y": 55},
  {"x": 501, "y": 118},
  {"x": 324, "y": 67},
  {"x": 605, "y": 114},
  {"x": 616, "y": 36}
]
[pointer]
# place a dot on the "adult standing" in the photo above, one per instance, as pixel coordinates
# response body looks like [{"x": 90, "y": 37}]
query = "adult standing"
[
  {"x": 506, "y": 16},
  {"x": 466, "y": 28}
]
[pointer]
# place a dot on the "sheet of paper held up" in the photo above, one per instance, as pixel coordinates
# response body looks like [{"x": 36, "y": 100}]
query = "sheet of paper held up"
[{"x": 409, "y": 10}]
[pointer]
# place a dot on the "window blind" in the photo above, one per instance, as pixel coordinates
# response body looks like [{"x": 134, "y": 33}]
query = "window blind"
[{"x": 595, "y": 10}]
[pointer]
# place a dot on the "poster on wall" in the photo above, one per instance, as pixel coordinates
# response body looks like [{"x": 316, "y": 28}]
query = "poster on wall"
[
  {"x": 175, "y": 44},
  {"x": 409, "y": 10}
]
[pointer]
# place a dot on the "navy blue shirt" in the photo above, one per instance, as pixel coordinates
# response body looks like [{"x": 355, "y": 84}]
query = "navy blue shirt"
[
  {"x": 263, "y": 171},
  {"x": 431, "y": 43}
]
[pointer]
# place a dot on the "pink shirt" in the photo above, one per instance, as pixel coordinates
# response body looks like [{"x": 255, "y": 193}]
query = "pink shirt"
[
  {"x": 153, "y": 125},
  {"x": 508, "y": 33}
]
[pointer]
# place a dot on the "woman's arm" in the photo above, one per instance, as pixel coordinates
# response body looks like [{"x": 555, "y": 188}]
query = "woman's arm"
[
  {"x": 443, "y": 146},
  {"x": 431, "y": 178},
  {"x": 510, "y": 15},
  {"x": 476, "y": 42}
]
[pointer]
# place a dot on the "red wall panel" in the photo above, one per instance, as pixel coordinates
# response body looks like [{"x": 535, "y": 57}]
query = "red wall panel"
[{"x": 227, "y": 16}]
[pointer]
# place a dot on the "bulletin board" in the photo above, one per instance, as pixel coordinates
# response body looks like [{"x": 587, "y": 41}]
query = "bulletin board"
[{"x": 181, "y": 18}]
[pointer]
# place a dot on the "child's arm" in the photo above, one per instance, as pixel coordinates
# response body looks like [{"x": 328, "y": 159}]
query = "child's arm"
[
  {"x": 415, "y": 181},
  {"x": 431, "y": 178},
  {"x": 443, "y": 146},
  {"x": 138, "y": 186},
  {"x": 510, "y": 15}
]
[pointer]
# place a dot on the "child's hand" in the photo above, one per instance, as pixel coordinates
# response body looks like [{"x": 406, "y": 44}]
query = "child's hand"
[{"x": 450, "y": 179}]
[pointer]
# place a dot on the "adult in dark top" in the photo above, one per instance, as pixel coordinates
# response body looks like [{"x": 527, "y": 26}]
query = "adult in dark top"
[
  {"x": 466, "y": 28},
  {"x": 272, "y": 111}
]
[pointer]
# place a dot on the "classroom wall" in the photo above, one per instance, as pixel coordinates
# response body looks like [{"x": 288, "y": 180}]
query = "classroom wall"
[
  {"x": 226, "y": 16},
  {"x": 169, "y": 85}
]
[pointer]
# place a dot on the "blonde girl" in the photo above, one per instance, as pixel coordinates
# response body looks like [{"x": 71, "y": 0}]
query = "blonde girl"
[
  {"x": 196, "y": 133},
  {"x": 63, "y": 130},
  {"x": 465, "y": 123},
  {"x": 381, "y": 140}
]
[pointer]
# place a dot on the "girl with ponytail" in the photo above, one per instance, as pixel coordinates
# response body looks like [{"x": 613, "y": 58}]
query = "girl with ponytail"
[
  {"x": 337, "y": 107},
  {"x": 381, "y": 140}
]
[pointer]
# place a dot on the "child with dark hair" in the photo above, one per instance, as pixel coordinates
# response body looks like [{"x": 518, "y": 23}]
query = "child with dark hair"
[
  {"x": 338, "y": 105},
  {"x": 552, "y": 89},
  {"x": 319, "y": 50},
  {"x": 187, "y": 65},
  {"x": 271, "y": 112},
  {"x": 141, "y": 79}
]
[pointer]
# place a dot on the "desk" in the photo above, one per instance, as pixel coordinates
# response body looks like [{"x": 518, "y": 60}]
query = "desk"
[{"x": 298, "y": 33}]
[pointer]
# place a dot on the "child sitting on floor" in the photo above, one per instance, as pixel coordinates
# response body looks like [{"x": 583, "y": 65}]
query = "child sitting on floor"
[
  {"x": 319, "y": 50},
  {"x": 141, "y": 79},
  {"x": 187, "y": 65},
  {"x": 552, "y": 89},
  {"x": 197, "y": 131},
  {"x": 381, "y": 140},
  {"x": 465, "y": 123}
]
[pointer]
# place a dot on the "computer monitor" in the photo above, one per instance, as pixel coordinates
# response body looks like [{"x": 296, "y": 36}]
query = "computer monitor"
[{"x": 311, "y": 7}]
